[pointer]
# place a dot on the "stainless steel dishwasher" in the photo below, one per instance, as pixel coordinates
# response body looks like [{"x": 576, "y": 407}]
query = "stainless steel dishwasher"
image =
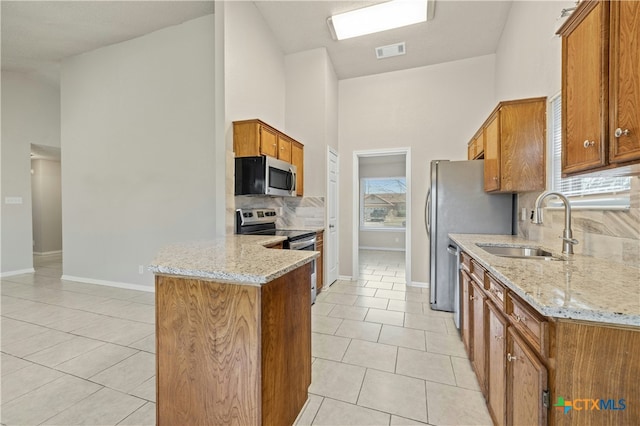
[{"x": 454, "y": 277}]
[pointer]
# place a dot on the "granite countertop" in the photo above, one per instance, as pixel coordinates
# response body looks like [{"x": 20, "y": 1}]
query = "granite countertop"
[
  {"x": 239, "y": 259},
  {"x": 582, "y": 287}
]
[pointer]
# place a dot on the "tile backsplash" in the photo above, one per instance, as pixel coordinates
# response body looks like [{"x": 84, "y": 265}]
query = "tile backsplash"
[
  {"x": 297, "y": 212},
  {"x": 606, "y": 234}
]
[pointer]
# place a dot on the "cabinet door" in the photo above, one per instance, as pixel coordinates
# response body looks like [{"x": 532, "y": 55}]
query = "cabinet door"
[
  {"x": 268, "y": 142},
  {"x": 492, "y": 154},
  {"x": 284, "y": 148},
  {"x": 496, "y": 363},
  {"x": 479, "y": 340},
  {"x": 625, "y": 82},
  {"x": 526, "y": 382},
  {"x": 585, "y": 92},
  {"x": 467, "y": 311},
  {"x": 297, "y": 159}
]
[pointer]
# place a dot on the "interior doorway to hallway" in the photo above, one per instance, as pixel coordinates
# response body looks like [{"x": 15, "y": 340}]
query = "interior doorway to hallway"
[
  {"x": 46, "y": 202},
  {"x": 382, "y": 218}
]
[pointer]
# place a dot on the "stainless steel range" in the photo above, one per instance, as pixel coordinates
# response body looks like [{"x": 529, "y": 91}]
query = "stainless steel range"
[{"x": 263, "y": 222}]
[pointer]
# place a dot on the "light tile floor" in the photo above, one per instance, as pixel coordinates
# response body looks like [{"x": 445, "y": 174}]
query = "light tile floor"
[{"x": 75, "y": 353}]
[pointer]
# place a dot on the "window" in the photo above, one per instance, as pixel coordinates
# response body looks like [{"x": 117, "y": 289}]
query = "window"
[
  {"x": 383, "y": 203},
  {"x": 597, "y": 192}
]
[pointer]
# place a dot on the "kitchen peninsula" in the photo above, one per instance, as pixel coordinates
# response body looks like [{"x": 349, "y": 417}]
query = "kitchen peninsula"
[{"x": 233, "y": 332}]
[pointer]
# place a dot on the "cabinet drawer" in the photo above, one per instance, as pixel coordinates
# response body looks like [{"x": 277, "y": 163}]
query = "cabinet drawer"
[
  {"x": 496, "y": 291},
  {"x": 477, "y": 272},
  {"x": 531, "y": 324}
]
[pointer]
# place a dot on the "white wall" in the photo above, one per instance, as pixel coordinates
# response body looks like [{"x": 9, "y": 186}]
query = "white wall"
[
  {"x": 254, "y": 80},
  {"x": 138, "y": 161},
  {"x": 528, "y": 58},
  {"x": 47, "y": 206},
  {"x": 435, "y": 110},
  {"x": 311, "y": 112},
  {"x": 30, "y": 114},
  {"x": 254, "y": 68}
]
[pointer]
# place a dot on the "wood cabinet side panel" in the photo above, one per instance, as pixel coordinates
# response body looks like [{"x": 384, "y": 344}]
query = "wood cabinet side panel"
[
  {"x": 492, "y": 154},
  {"x": 297, "y": 159},
  {"x": 597, "y": 362},
  {"x": 286, "y": 346},
  {"x": 522, "y": 145},
  {"x": 246, "y": 138},
  {"x": 207, "y": 352}
]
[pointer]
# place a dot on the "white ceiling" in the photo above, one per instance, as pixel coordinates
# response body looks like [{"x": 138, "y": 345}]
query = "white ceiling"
[
  {"x": 460, "y": 29},
  {"x": 37, "y": 35}
]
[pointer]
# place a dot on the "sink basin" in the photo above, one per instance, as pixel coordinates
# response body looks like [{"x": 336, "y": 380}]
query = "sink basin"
[{"x": 521, "y": 252}]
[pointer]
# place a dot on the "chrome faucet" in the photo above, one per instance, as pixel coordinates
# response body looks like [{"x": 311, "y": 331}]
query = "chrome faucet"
[{"x": 567, "y": 235}]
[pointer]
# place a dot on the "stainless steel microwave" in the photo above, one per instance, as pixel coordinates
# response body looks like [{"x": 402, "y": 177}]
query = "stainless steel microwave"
[{"x": 264, "y": 175}]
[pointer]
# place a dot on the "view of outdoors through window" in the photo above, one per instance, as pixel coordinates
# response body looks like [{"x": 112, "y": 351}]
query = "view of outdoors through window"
[{"x": 383, "y": 202}]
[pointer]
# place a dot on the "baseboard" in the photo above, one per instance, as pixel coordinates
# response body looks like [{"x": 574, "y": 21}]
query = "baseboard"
[
  {"x": 19, "y": 272},
  {"x": 419, "y": 284},
  {"x": 380, "y": 248},
  {"x": 344, "y": 277},
  {"x": 47, "y": 253},
  {"x": 127, "y": 286}
]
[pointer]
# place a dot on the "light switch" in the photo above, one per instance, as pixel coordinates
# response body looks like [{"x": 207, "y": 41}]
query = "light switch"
[{"x": 13, "y": 200}]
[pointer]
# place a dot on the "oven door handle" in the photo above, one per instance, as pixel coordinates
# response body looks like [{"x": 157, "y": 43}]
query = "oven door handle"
[{"x": 298, "y": 245}]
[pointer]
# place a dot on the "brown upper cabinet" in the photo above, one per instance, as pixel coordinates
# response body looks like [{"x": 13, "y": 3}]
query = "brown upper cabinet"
[
  {"x": 514, "y": 139},
  {"x": 254, "y": 137},
  {"x": 600, "y": 86}
]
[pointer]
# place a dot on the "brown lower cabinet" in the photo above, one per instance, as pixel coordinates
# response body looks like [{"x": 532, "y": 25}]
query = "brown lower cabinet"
[
  {"x": 528, "y": 365},
  {"x": 232, "y": 354}
]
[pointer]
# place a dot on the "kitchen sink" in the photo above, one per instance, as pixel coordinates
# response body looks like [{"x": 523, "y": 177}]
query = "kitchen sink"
[{"x": 521, "y": 252}]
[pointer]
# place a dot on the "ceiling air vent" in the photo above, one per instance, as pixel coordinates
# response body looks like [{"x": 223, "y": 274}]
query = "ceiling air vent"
[{"x": 391, "y": 50}]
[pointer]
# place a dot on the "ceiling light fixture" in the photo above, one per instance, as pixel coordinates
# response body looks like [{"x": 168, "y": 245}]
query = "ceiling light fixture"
[{"x": 380, "y": 17}]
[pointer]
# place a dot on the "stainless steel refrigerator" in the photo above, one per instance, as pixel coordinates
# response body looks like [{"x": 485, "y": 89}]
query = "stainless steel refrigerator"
[{"x": 456, "y": 203}]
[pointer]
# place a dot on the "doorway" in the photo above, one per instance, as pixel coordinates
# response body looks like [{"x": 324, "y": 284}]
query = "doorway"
[
  {"x": 382, "y": 220},
  {"x": 46, "y": 204}
]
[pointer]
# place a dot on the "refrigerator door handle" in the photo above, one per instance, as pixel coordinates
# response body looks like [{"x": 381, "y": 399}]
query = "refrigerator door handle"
[
  {"x": 452, "y": 250},
  {"x": 427, "y": 210}
]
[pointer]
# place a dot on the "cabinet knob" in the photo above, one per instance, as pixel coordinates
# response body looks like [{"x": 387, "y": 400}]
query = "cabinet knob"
[
  {"x": 499, "y": 337},
  {"x": 588, "y": 143},
  {"x": 471, "y": 297},
  {"x": 520, "y": 319},
  {"x": 511, "y": 357},
  {"x": 619, "y": 132},
  {"x": 495, "y": 178}
]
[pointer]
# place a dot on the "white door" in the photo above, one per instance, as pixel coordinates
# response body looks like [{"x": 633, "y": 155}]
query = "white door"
[{"x": 331, "y": 244}]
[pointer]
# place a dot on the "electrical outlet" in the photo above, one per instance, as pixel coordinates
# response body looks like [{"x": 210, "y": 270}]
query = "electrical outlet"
[{"x": 141, "y": 269}]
